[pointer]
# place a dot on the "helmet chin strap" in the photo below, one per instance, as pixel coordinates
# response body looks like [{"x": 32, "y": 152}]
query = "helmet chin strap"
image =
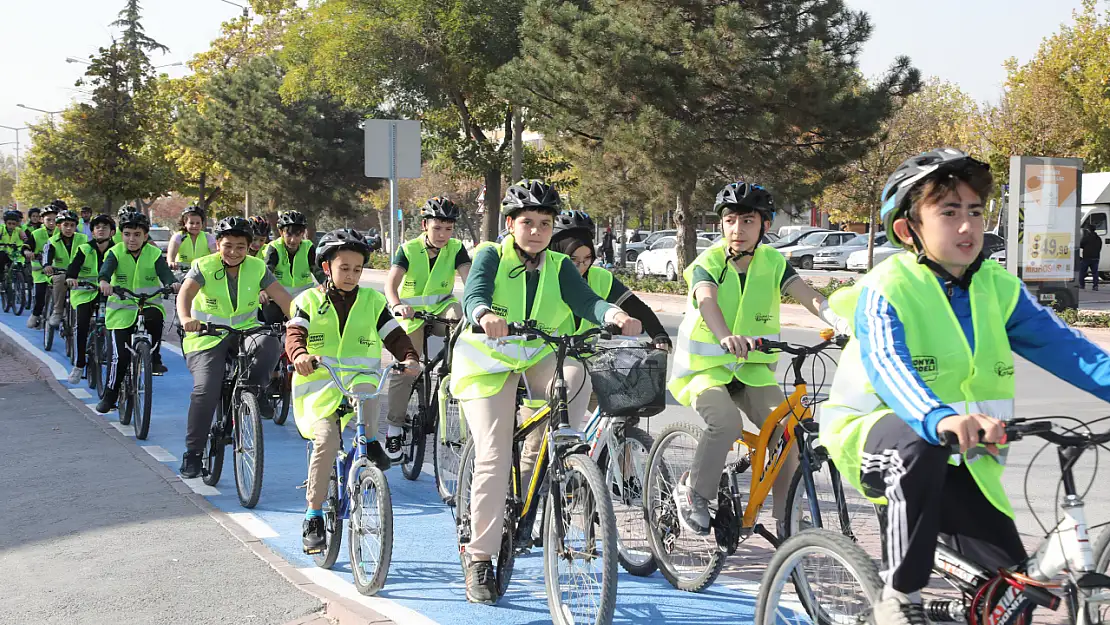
[
  {"x": 963, "y": 282},
  {"x": 429, "y": 245},
  {"x": 742, "y": 253}
]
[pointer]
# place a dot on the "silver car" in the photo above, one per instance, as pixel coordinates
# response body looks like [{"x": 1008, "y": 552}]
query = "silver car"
[
  {"x": 837, "y": 257},
  {"x": 802, "y": 254}
]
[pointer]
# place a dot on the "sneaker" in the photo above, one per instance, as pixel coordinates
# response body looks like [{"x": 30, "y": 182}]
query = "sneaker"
[
  {"x": 191, "y": 465},
  {"x": 393, "y": 447},
  {"x": 156, "y": 367},
  {"x": 481, "y": 583},
  {"x": 378, "y": 456},
  {"x": 55, "y": 320},
  {"x": 108, "y": 402},
  {"x": 75, "y": 375},
  {"x": 313, "y": 535},
  {"x": 893, "y": 611},
  {"x": 266, "y": 407},
  {"x": 33, "y": 321},
  {"x": 693, "y": 509}
]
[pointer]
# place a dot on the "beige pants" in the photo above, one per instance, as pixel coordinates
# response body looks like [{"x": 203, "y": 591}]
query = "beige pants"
[
  {"x": 724, "y": 423},
  {"x": 60, "y": 290},
  {"x": 491, "y": 421},
  {"x": 400, "y": 386},
  {"x": 327, "y": 439}
]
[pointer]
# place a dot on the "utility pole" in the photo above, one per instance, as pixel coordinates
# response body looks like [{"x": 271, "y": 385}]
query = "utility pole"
[{"x": 17, "y": 130}]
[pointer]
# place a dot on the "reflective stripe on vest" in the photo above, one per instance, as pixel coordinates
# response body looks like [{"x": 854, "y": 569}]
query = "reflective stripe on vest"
[
  {"x": 428, "y": 286},
  {"x": 295, "y": 274},
  {"x": 212, "y": 303},
  {"x": 700, "y": 362},
  {"x": 192, "y": 249},
  {"x": 969, "y": 382},
  {"x": 137, "y": 275}
]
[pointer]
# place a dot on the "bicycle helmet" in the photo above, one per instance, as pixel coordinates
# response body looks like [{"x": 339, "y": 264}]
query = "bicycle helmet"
[
  {"x": 193, "y": 210},
  {"x": 261, "y": 226},
  {"x": 341, "y": 239},
  {"x": 123, "y": 210},
  {"x": 10, "y": 215},
  {"x": 234, "y": 226},
  {"x": 573, "y": 223},
  {"x": 68, "y": 215},
  {"x": 134, "y": 219},
  {"x": 530, "y": 194},
  {"x": 50, "y": 209},
  {"x": 744, "y": 195},
  {"x": 440, "y": 208},
  {"x": 292, "y": 218},
  {"x": 102, "y": 219},
  {"x": 915, "y": 170}
]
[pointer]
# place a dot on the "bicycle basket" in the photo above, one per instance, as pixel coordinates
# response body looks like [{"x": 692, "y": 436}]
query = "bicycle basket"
[{"x": 629, "y": 382}]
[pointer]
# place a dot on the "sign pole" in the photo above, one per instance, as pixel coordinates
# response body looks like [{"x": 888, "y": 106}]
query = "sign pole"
[{"x": 392, "y": 189}]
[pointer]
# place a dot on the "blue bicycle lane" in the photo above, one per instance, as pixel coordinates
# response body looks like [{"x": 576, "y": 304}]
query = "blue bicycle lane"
[{"x": 425, "y": 582}]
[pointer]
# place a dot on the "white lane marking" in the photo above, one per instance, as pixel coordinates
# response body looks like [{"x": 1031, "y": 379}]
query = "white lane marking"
[
  {"x": 55, "y": 367},
  {"x": 256, "y": 526},
  {"x": 126, "y": 430},
  {"x": 159, "y": 453},
  {"x": 199, "y": 487},
  {"x": 386, "y": 607},
  {"x": 173, "y": 348},
  {"x": 80, "y": 393}
]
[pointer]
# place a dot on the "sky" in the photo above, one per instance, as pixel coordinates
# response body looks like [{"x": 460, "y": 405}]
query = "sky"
[{"x": 963, "y": 41}]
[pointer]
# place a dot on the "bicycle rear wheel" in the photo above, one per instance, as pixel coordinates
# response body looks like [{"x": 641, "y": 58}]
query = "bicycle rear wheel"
[
  {"x": 625, "y": 470},
  {"x": 21, "y": 298},
  {"x": 142, "y": 386},
  {"x": 370, "y": 530},
  {"x": 505, "y": 558},
  {"x": 7, "y": 292},
  {"x": 249, "y": 450},
  {"x": 580, "y": 571},
  {"x": 125, "y": 401},
  {"x": 333, "y": 532},
  {"x": 102, "y": 357},
  {"x": 447, "y": 444},
  {"x": 68, "y": 334},
  {"x": 283, "y": 399},
  {"x": 48, "y": 330},
  {"x": 92, "y": 363},
  {"x": 842, "y": 507},
  {"x": 217, "y": 445},
  {"x": 414, "y": 438}
]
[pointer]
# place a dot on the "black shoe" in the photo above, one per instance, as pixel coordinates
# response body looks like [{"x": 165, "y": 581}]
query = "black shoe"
[
  {"x": 156, "y": 367},
  {"x": 393, "y": 447},
  {"x": 266, "y": 407},
  {"x": 108, "y": 402},
  {"x": 312, "y": 535},
  {"x": 481, "y": 583},
  {"x": 377, "y": 455},
  {"x": 191, "y": 465}
]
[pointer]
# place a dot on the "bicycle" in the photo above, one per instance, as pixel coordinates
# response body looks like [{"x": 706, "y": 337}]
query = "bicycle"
[
  {"x": 136, "y": 387},
  {"x": 574, "y": 487},
  {"x": 96, "y": 344},
  {"x": 280, "y": 391},
  {"x": 358, "y": 493},
  {"x": 66, "y": 329},
  {"x": 238, "y": 420},
  {"x": 984, "y": 596},
  {"x": 692, "y": 562},
  {"x": 15, "y": 281},
  {"x": 421, "y": 415}
]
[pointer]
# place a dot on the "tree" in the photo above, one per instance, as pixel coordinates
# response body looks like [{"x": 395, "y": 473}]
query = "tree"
[
  {"x": 138, "y": 43},
  {"x": 704, "y": 91},
  {"x": 418, "y": 59}
]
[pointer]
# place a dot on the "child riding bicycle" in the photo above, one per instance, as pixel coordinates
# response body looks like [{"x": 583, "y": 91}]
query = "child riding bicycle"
[
  {"x": 292, "y": 259},
  {"x": 33, "y": 251},
  {"x": 422, "y": 279},
  {"x": 517, "y": 280},
  {"x": 347, "y": 326},
  {"x": 933, "y": 339},
  {"x": 223, "y": 288},
  {"x": 735, "y": 290},
  {"x": 12, "y": 238},
  {"x": 140, "y": 268},
  {"x": 85, "y": 267},
  {"x": 60, "y": 249},
  {"x": 191, "y": 241}
]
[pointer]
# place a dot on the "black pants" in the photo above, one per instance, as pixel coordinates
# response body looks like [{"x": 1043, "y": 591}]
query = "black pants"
[
  {"x": 40, "y": 297},
  {"x": 271, "y": 313},
  {"x": 84, "y": 323},
  {"x": 119, "y": 339},
  {"x": 930, "y": 499},
  {"x": 1086, "y": 264}
]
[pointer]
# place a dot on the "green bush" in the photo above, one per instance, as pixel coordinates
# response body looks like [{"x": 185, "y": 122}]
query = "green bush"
[{"x": 378, "y": 260}]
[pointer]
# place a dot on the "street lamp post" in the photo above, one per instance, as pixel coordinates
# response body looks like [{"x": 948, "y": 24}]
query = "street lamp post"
[
  {"x": 246, "y": 10},
  {"x": 31, "y": 108},
  {"x": 16, "y": 154},
  {"x": 70, "y": 59}
]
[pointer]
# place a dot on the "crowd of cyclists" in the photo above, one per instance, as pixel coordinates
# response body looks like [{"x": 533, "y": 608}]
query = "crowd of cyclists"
[{"x": 932, "y": 340}]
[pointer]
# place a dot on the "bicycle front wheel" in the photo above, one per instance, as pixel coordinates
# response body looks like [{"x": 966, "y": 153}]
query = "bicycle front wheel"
[
  {"x": 142, "y": 386},
  {"x": 125, "y": 401},
  {"x": 20, "y": 298},
  {"x": 69, "y": 334},
  {"x": 625, "y": 467},
  {"x": 102, "y": 361},
  {"x": 92, "y": 363},
  {"x": 580, "y": 548},
  {"x": 48, "y": 330},
  {"x": 448, "y": 441},
  {"x": 370, "y": 530},
  {"x": 7, "y": 293},
  {"x": 248, "y": 450},
  {"x": 333, "y": 534},
  {"x": 842, "y": 507},
  {"x": 414, "y": 439},
  {"x": 505, "y": 558}
]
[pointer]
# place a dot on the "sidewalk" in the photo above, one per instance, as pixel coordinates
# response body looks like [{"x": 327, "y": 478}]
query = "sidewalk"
[{"x": 97, "y": 531}]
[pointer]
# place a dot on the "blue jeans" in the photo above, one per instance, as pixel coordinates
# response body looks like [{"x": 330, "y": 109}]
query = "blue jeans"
[{"x": 1084, "y": 265}]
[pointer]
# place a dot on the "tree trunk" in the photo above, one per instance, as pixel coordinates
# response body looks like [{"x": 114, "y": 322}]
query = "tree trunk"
[
  {"x": 685, "y": 223},
  {"x": 623, "y": 239},
  {"x": 468, "y": 223},
  {"x": 652, "y": 222},
  {"x": 202, "y": 187},
  {"x": 491, "y": 224}
]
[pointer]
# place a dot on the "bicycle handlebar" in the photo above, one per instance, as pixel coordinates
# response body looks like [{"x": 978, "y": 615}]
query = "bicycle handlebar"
[
  {"x": 1020, "y": 428},
  {"x": 124, "y": 292},
  {"x": 212, "y": 329},
  {"x": 426, "y": 316},
  {"x": 766, "y": 346},
  {"x": 384, "y": 374}
]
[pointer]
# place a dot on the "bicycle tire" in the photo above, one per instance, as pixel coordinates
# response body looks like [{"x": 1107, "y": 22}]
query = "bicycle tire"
[
  {"x": 284, "y": 398},
  {"x": 663, "y": 513},
  {"x": 448, "y": 439},
  {"x": 48, "y": 331},
  {"x": 248, "y": 467},
  {"x": 414, "y": 437},
  {"x": 6, "y": 291},
  {"x": 599, "y": 518},
  {"x": 333, "y": 532},
  {"x": 69, "y": 334},
  {"x": 125, "y": 405},
  {"x": 784, "y": 565},
  {"x": 92, "y": 363},
  {"x": 505, "y": 558},
  {"x": 637, "y": 564},
  {"x": 849, "y": 512},
  {"x": 1096, "y": 616},
  {"x": 101, "y": 361},
  {"x": 371, "y": 480},
  {"x": 142, "y": 386},
  {"x": 21, "y": 300},
  {"x": 214, "y": 452}
]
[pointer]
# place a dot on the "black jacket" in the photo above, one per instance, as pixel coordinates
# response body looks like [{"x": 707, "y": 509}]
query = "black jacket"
[{"x": 1090, "y": 245}]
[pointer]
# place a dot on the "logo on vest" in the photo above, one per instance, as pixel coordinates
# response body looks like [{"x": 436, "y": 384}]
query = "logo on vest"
[
  {"x": 1003, "y": 370},
  {"x": 763, "y": 317},
  {"x": 926, "y": 367},
  {"x": 500, "y": 311},
  {"x": 443, "y": 284},
  {"x": 279, "y": 274},
  {"x": 316, "y": 340},
  {"x": 362, "y": 340}
]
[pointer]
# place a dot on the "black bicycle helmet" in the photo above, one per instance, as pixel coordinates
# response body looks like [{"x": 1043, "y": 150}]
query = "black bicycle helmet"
[
  {"x": 234, "y": 226},
  {"x": 261, "y": 226},
  {"x": 13, "y": 214},
  {"x": 193, "y": 210},
  {"x": 123, "y": 210},
  {"x": 60, "y": 205},
  {"x": 102, "y": 219},
  {"x": 913, "y": 171},
  {"x": 49, "y": 209},
  {"x": 745, "y": 195},
  {"x": 68, "y": 215},
  {"x": 440, "y": 208},
  {"x": 530, "y": 194},
  {"x": 292, "y": 218},
  {"x": 338, "y": 240},
  {"x": 573, "y": 223},
  {"x": 134, "y": 219}
]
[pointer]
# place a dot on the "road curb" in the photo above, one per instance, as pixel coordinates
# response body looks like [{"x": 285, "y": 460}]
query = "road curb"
[{"x": 336, "y": 608}]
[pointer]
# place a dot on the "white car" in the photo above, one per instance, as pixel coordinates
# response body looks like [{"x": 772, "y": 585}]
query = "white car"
[
  {"x": 633, "y": 250},
  {"x": 857, "y": 261},
  {"x": 837, "y": 257},
  {"x": 802, "y": 254},
  {"x": 661, "y": 259}
]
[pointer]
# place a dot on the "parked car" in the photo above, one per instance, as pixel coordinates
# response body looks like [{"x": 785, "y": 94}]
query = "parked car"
[
  {"x": 633, "y": 250},
  {"x": 786, "y": 240},
  {"x": 709, "y": 236},
  {"x": 661, "y": 259},
  {"x": 160, "y": 237},
  {"x": 790, "y": 231},
  {"x": 801, "y": 254},
  {"x": 837, "y": 257},
  {"x": 992, "y": 244},
  {"x": 857, "y": 261}
]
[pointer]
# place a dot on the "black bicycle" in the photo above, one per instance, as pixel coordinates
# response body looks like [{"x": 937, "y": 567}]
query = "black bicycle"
[
  {"x": 65, "y": 328},
  {"x": 15, "y": 281},
  {"x": 422, "y": 414},
  {"x": 96, "y": 344},
  {"x": 238, "y": 421},
  {"x": 136, "y": 386}
]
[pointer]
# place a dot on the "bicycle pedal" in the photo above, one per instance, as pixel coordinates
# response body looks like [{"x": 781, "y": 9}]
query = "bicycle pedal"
[
  {"x": 312, "y": 552},
  {"x": 303, "y": 486}
]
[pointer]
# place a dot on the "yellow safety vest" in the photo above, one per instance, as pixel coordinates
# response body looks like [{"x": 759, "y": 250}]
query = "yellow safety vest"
[
  {"x": 89, "y": 271},
  {"x": 139, "y": 276},
  {"x": 192, "y": 249},
  {"x": 63, "y": 256},
  {"x": 295, "y": 276},
  {"x": 427, "y": 287},
  {"x": 213, "y": 302},
  {"x": 601, "y": 281},
  {"x": 38, "y": 241}
]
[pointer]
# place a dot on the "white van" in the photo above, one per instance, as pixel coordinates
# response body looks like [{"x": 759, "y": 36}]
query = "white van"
[{"x": 1095, "y": 210}]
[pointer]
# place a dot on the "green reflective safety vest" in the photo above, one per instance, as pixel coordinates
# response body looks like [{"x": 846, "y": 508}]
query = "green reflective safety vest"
[
  {"x": 140, "y": 276},
  {"x": 979, "y": 382},
  {"x": 10, "y": 241},
  {"x": 295, "y": 276},
  {"x": 315, "y": 396},
  {"x": 601, "y": 281},
  {"x": 38, "y": 241},
  {"x": 62, "y": 256},
  {"x": 480, "y": 367},
  {"x": 212, "y": 303},
  {"x": 90, "y": 268},
  {"x": 700, "y": 362},
  {"x": 427, "y": 286},
  {"x": 192, "y": 249}
]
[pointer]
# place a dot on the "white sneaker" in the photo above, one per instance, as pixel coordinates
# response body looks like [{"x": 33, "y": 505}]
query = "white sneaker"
[
  {"x": 33, "y": 321},
  {"x": 893, "y": 611},
  {"x": 75, "y": 375},
  {"x": 55, "y": 320}
]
